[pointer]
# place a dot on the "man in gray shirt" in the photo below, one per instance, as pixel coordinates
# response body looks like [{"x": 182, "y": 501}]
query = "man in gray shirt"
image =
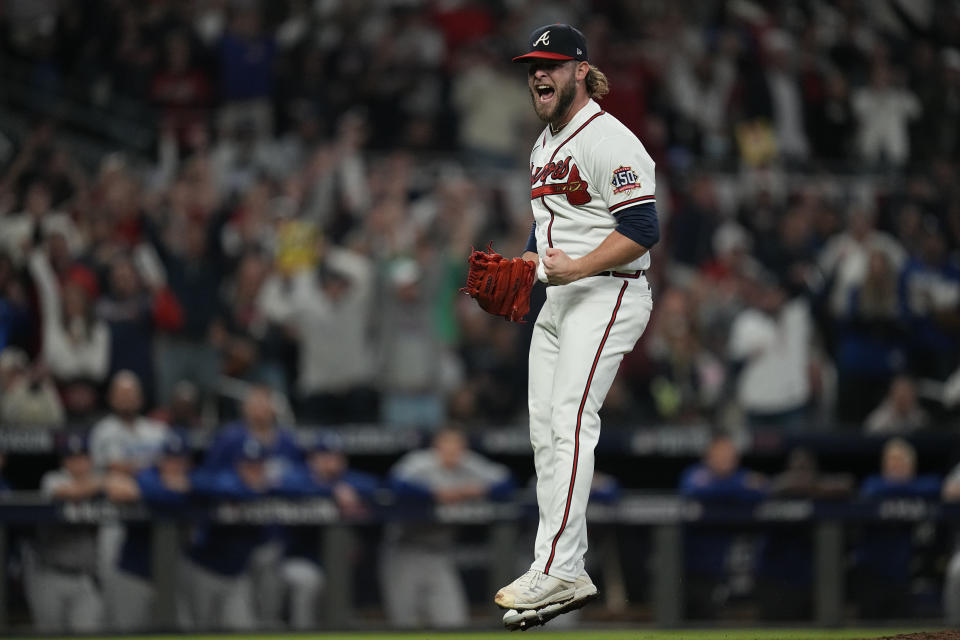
[
  {"x": 60, "y": 564},
  {"x": 420, "y": 581}
]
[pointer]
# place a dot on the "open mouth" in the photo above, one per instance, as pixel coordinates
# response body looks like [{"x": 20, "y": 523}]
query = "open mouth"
[{"x": 544, "y": 92}]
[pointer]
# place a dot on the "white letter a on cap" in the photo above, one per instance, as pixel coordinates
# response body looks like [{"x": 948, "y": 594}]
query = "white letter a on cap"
[{"x": 544, "y": 38}]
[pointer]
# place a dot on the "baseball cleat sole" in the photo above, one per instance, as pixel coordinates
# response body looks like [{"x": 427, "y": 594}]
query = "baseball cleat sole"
[{"x": 514, "y": 620}]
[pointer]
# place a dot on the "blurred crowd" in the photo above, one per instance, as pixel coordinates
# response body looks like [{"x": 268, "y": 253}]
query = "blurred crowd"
[{"x": 320, "y": 170}]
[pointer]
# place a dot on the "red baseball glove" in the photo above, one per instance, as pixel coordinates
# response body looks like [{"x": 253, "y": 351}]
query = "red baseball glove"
[{"x": 500, "y": 286}]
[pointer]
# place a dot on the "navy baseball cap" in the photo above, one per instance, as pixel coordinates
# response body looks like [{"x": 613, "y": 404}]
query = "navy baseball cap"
[
  {"x": 326, "y": 443},
  {"x": 555, "y": 42},
  {"x": 73, "y": 444},
  {"x": 253, "y": 451},
  {"x": 175, "y": 444}
]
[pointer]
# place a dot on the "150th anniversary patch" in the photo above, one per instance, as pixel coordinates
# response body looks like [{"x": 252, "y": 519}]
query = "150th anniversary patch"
[{"x": 624, "y": 179}]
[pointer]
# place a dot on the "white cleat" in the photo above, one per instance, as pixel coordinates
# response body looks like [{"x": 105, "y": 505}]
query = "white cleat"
[
  {"x": 585, "y": 587},
  {"x": 535, "y": 590},
  {"x": 514, "y": 620},
  {"x": 523, "y": 619}
]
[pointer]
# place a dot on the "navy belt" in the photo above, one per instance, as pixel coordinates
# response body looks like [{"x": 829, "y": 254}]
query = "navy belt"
[
  {"x": 632, "y": 275},
  {"x": 619, "y": 274}
]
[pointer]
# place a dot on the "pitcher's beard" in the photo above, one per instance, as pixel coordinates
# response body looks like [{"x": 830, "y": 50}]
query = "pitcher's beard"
[{"x": 565, "y": 96}]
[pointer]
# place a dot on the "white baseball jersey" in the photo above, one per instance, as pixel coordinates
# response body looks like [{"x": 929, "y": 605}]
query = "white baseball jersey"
[
  {"x": 592, "y": 169},
  {"x": 111, "y": 441},
  {"x": 580, "y": 178}
]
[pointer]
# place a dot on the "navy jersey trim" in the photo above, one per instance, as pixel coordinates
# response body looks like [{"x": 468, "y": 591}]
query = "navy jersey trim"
[
  {"x": 639, "y": 223},
  {"x": 625, "y": 203},
  {"x": 532, "y": 240}
]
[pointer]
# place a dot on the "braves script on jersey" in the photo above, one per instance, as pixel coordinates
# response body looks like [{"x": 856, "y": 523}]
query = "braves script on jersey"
[{"x": 593, "y": 168}]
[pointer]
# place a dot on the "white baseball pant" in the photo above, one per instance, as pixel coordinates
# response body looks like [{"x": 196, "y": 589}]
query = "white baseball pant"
[
  {"x": 579, "y": 339},
  {"x": 422, "y": 587},
  {"x": 131, "y": 601},
  {"x": 951, "y": 591},
  {"x": 303, "y": 581},
  {"x": 61, "y": 602},
  {"x": 216, "y": 601},
  {"x": 267, "y": 583}
]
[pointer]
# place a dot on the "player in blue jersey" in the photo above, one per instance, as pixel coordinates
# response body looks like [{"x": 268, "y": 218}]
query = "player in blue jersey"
[
  {"x": 283, "y": 454},
  {"x": 220, "y": 580},
  {"x": 166, "y": 486},
  {"x": 883, "y": 556},
  {"x": 260, "y": 423},
  {"x": 327, "y": 473},
  {"x": 718, "y": 479}
]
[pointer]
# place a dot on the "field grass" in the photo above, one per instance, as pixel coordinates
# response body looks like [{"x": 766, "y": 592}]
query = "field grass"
[{"x": 580, "y": 634}]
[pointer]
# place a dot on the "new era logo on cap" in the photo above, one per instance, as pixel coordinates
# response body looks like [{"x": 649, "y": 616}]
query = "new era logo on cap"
[{"x": 555, "y": 42}]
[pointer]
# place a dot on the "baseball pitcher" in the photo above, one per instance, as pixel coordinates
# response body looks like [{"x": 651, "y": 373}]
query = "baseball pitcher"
[{"x": 592, "y": 194}]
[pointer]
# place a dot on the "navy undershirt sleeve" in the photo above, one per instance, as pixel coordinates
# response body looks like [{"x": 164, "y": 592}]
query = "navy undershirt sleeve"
[
  {"x": 532, "y": 240},
  {"x": 640, "y": 224}
]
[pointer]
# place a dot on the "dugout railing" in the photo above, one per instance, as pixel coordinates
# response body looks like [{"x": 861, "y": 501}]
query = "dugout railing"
[
  {"x": 651, "y": 458},
  {"x": 665, "y": 446},
  {"x": 665, "y": 515}
]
